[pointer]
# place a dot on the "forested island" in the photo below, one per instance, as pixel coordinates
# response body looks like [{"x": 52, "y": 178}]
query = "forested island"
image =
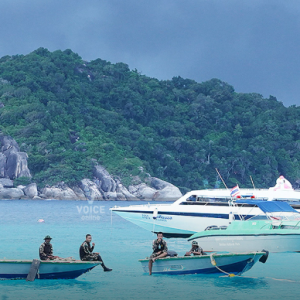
[{"x": 72, "y": 116}]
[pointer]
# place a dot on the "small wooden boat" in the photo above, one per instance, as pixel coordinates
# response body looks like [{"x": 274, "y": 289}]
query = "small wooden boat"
[
  {"x": 19, "y": 269},
  {"x": 228, "y": 263}
]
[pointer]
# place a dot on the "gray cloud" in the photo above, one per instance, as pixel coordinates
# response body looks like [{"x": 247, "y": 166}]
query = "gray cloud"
[{"x": 253, "y": 45}]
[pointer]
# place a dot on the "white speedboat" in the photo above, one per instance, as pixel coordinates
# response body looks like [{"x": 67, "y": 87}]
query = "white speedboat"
[
  {"x": 232, "y": 263},
  {"x": 199, "y": 209},
  {"x": 182, "y": 218},
  {"x": 278, "y": 232}
]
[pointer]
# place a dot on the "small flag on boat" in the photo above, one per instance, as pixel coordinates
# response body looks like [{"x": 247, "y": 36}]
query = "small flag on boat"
[{"x": 235, "y": 191}]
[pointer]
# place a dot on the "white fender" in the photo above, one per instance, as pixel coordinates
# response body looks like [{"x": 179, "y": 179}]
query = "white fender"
[
  {"x": 155, "y": 213},
  {"x": 231, "y": 217}
]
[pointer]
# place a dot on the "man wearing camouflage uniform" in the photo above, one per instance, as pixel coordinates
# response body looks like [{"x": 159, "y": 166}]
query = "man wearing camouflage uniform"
[
  {"x": 196, "y": 250},
  {"x": 86, "y": 252},
  {"x": 46, "y": 249},
  {"x": 160, "y": 250}
]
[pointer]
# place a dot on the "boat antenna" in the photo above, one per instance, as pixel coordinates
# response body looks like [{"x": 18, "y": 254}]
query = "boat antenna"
[
  {"x": 221, "y": 178},
  {"x": 252, "y": 181}
]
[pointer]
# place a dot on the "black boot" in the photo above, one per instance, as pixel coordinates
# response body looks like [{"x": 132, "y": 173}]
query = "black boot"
[{"x": 105, "y": 268}]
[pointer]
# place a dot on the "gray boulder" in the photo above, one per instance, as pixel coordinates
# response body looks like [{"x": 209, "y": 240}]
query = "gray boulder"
[
  {"x": 123, "y": 191},
  {"x": 121, "y": 197},
  {"x": 11, "y": 193},
  {"x": 133, "y": 189},
  {"x": 22, "y": 187},
  {"x": 111, "y": 196},
  {"x": 7, "y": 143},
  {"x": 2, "y": 164},
  {"x": 159, "y": 184},
  {"x": 30, "y": 190},
  {"x": 90, "y": 190},
  {"x": 13, "y": 163},
  {"x": 159, "y": 190},
  {"x": 6, "y": 182},
  {"x": 169, "y": 193},
  {"x": 79, "y": 193},
  {"x": 59, "y": 193},
  {"x": 165, "y": 190},
  {"x": 107, "y": 184},
  {"x": 16, "y": 165},
  {"x": 145, "y": 192}
]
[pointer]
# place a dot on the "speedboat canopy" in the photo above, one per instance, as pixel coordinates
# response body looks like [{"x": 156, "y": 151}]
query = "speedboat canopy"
[{"x": 269, "y": 206}]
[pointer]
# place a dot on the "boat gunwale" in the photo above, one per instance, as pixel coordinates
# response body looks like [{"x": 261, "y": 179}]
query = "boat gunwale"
[
  {"x": 53, "y": 262},
  {"x": 195, "y": 236},
  {"x": 215, "y": 255}
]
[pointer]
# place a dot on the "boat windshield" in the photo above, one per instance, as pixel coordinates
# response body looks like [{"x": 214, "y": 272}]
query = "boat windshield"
[{"x": 274, "y": 209}]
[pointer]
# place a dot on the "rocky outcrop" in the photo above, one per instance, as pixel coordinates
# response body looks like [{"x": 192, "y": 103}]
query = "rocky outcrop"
[
  {"x": 11, "y": 193},
  {"x": 2, "y": 164},
  {"x": 166, "y": 191},
  {"x": 59, "y": 193},
  {"x": 5, "y": 182},
  {"x": 121, "y": 190},
  {"x": 142, "y": 191},
  {"x": 111, "y": 188},
  {"x": 79, "y": 193},
  {"x": 105, "y": 181},
  {"x": 13, "y": 163},
  {"x": 31, "y": 190},
  {"x": 157, "y": 189},
  {"x": 91, "y": 190}
]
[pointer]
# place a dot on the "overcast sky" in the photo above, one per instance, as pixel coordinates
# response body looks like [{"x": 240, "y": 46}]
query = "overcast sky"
[{"x": 253, "y": 45}]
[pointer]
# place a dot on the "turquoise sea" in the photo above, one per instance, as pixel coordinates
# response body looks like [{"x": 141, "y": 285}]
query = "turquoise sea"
[{"x": 121, "y": 244}]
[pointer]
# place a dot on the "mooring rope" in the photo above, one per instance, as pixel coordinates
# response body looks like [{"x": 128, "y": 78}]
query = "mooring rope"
[{"x": 213, "y": 262}]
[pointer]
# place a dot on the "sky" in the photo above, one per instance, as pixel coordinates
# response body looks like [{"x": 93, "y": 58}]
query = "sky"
[{"x": 254, "y": 45}]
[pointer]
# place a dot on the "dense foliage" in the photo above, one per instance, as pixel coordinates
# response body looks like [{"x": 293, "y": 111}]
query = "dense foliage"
[{"x": 68, "y": 114}]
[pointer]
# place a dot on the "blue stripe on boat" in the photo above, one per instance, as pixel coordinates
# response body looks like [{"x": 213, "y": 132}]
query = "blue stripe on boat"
[
  {"x": 189, "y": 214},
  {"x": 61, "y": 275}
]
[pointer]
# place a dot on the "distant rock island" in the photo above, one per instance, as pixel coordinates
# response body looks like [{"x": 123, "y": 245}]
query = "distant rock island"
[{"x": 13, "y": 165}]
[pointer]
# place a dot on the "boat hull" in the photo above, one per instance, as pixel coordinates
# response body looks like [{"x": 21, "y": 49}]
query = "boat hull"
[
  {"x": 244, "y": 242},
  {"x": 229, "y": 263},
  {"x": 178, "y": 220},
  {"x": 19, "y": 269}
]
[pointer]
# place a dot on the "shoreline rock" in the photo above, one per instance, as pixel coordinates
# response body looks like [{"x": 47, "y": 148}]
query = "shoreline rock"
[
  {"x": 13, "y": 163},
  {"x": 90, "y": 191},
  {"x": 11, "y": 193},
  {"x": 103, "y": 187}
]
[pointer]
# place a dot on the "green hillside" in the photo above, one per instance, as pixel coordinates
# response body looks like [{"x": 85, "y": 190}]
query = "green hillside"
[{"x": 69, "y": 114}]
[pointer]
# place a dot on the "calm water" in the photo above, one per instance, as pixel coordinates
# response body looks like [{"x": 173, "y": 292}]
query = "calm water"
[{"x": 121, "y": 244}]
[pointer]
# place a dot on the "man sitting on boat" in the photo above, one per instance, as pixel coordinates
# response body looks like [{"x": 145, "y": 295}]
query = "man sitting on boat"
[
  {"x": 160, "y": 250},
  {"x": 86, "y": 252},
  {"x": 196, "y": 250},
  {"x": 46, "y": 249}
]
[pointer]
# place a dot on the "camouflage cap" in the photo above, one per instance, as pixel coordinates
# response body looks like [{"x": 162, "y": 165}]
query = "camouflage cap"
[
  {"x": 48, "y": 237},
  {"x": 194, "y": 243}
]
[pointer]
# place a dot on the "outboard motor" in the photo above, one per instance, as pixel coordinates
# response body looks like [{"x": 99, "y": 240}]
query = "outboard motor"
[{"x": 264, "y": 258}]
